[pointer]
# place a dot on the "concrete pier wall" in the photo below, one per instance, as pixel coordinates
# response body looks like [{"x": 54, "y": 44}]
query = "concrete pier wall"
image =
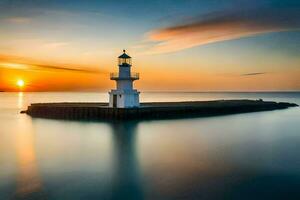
[{"x": 162, "y": 110}]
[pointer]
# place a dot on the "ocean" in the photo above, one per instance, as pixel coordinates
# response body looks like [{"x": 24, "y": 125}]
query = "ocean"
[{"x": 240, "y": 156}]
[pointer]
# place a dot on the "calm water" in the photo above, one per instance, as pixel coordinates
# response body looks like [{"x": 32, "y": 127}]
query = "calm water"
[{"x": 243, "y": 156}]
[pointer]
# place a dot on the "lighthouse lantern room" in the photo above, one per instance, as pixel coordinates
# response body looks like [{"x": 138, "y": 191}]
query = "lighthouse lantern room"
[{"x": 124, "y": 96}]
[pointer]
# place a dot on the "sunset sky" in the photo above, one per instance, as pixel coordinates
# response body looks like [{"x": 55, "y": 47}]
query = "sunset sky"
[{"x": 185, "y": 45}]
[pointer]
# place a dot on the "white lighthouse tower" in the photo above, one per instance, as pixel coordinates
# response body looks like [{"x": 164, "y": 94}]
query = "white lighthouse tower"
[{"x": 124, "y": 96}]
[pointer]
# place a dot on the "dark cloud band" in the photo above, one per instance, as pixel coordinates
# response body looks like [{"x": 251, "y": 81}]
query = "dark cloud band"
[
  {"x": 13, "y": 62},
  {"x": 253, "y": 74}
]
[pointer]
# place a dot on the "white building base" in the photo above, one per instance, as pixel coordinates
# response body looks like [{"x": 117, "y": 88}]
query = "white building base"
[{"x": 124, "y": 99}]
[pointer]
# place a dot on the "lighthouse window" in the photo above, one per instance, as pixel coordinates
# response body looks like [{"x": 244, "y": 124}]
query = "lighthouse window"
[{"x": 124, "y": 61}]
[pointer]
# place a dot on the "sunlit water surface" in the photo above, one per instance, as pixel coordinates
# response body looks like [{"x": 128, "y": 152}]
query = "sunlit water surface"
[{"x": 242, "y": 156}]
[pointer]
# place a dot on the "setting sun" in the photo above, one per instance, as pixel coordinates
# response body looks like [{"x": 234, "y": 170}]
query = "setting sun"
[{"x": 20, "y": 83}]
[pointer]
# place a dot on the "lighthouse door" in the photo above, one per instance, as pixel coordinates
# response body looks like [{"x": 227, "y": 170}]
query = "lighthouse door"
[{"x": 115, "y": 100}]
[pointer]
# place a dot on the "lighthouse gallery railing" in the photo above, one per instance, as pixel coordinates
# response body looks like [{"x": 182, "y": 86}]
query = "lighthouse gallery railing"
[{"x": 116, "y": 76}]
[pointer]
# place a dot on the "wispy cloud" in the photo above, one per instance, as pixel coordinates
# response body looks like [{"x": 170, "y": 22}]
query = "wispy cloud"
[
  {"x": 221, "y": 26},
  {"x": 55, "y": 45},
  {"x": 19, "y": 20},
  {"x": 253, "y": 74},
  {"x": 14, "y": 62}
]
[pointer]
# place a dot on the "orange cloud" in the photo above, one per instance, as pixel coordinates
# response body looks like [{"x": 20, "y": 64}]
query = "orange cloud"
[
  {"x": 18, "y": 20},
  {"x": 14, "y": 62},
  {"x": 223, "y": 26}
]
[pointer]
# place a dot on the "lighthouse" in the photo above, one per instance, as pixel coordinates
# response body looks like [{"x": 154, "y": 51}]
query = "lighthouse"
[{"x": 124, "y": 96}]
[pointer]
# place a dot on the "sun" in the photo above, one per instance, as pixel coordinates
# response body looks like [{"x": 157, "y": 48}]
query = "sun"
[{"x": 20, "y": 83}]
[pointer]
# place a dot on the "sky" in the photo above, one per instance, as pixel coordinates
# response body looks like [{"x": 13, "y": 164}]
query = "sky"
[{"x": 176, "y": 45}]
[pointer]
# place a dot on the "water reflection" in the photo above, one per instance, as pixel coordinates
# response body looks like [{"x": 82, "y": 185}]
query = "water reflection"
[
  {"x": 249, "y": 156},
  {"x": 126, "y": 182},
  {"x": 20, "y": 100},
  {"x": 29, "y": 184}
]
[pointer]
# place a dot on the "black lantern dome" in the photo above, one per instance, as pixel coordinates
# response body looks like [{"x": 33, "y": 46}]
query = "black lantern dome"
[{"x": 124, "y": 59}]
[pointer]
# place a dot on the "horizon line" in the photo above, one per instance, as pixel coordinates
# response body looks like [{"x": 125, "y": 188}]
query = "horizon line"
[{"x": 161, "y": 91}]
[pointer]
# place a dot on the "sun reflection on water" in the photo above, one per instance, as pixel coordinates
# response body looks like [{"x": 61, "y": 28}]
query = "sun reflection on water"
[
  {"x": 28, "y": 179},
  {"x": 20, "y": 100}
]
